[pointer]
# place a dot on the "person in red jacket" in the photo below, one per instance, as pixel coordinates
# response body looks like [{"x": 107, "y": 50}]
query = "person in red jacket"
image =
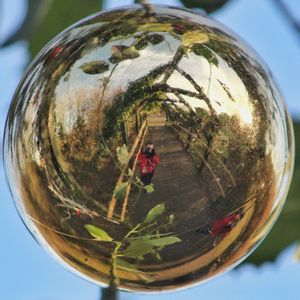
[
  {"x": 148, "y": 160},
  {"x": 221, "y": 227}
]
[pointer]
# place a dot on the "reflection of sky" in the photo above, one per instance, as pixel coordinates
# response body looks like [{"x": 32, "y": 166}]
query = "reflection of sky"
[
  {"x": 209, "y": 77},
  {"x": 87, "y": 85},
  {"x": 28, "y": 273}
]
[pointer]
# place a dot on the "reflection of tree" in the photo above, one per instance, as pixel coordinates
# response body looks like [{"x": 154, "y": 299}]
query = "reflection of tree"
[
  {"x": 90, "y": 146},
  {"x": 142, "y": 239},
  {"x": 152, "y": 87}
]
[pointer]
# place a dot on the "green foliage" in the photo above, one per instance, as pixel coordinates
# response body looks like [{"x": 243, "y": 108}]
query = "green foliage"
[
  {"x": 154, "y": 39},
  {"x": 221, "y": 142},
  {"x": 123, "y": 155},
  {"x": 155, "y": 212},
  {"x": 123, "y": 264},
  {"x": 171, "y": 219},
  {"x": 57, "y": 16},
  {"x": 149, "y": 188},
  {"x": 139, "y": 248},
  {"x": 120, "y": 53},
  {"x": 120, "y": 190},
  {"x": 202, "y": 50},
  {"x": 95, "y": 67},
  {"x": 158, "y": 27},
  {"x": 138, "y": 180},
  {"x": 143, "y": 239},
  {"x": 190, "y": 38},
  {"x": 202, "y": 113},
  {"x": 98, "y": 233},
  {"x": 30, "y": 21},
  {"x": 130, "y": 172}
]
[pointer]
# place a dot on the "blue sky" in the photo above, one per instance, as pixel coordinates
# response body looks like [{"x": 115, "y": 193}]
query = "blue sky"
[{"x": 28, "y": 273}]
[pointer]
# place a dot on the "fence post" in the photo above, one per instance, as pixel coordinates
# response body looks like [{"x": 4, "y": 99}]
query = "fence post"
[
  {"x": 188, "y": 143},
  {"x": 137, "y": 120}
]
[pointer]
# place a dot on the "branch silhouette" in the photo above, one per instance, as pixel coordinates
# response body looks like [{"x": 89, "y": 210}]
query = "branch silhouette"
[{"x": 289, "y": 16}]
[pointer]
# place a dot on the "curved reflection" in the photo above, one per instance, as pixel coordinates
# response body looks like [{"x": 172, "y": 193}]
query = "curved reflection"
[{"x": 148, "y": 148}]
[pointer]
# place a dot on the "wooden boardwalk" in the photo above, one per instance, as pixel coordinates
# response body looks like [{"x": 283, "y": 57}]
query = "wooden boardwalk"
[
  {"x": 191, "y": 196},
  {"x": 176, "y": 180},
  {"x": 177, "y": 184}
]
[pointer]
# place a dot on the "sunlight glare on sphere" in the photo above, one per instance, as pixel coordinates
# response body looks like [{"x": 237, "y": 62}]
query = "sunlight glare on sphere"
[{"x": 147, "y": 147}]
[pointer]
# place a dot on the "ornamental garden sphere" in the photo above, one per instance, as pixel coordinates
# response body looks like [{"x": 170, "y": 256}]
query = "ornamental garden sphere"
[{"x": 148, "y": 148}]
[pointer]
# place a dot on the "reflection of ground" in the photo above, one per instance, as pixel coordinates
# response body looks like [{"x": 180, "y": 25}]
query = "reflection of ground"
[
  {"x": 176, "y": 181},
  {"x": 178, "y": 184},
  {"x": 195, "y": 200}
]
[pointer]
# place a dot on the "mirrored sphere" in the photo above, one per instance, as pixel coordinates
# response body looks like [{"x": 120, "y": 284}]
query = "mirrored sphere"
[{"x": 146, "y": 147}]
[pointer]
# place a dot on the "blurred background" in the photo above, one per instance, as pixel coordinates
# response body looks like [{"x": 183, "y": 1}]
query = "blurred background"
[{"x": 272, "y": 28}]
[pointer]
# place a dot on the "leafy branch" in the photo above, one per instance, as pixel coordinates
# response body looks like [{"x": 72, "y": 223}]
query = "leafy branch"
[{"x": 143, "y": 239}]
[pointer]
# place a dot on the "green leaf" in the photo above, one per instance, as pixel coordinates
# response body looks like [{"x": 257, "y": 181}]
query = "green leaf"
[
  {"x": 98, "y": 233},
  {"x": 130, "y": 172},
  {"x": 138, "y": 180},
  {"x": 137, "y": 249},
  {"x": 123, "y": 264},
  {"x": 95, "y": 67},
  {"x": 171, "y": 219},
  {"x": 149, "y": 188},
  {"x": 163, "y": 241},
  {"x": 154, "y": 39},
  {"x": 120, "y": 53},
  {"x": 190, "y": 38},
  {"x": 155, "y": 212},
  {"x": 141, "y": 44},
  {"x": 123, "y": 155},
  {"x": 120, "y": 190},
  {"x": 158, "y": 27}
]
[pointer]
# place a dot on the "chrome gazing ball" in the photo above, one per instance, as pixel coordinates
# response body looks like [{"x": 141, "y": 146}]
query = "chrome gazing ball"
[{"x": 147, "y": 148}]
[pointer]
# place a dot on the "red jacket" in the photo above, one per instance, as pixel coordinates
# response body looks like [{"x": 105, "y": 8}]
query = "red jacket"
[
  {"x": 147, "y": 165},
  {"x": 224, "y": 226}
]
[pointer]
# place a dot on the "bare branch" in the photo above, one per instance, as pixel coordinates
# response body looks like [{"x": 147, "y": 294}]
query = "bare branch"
[
  {"x": 294, "y": 22},
  {"x": 198, "y": 89},
  {"x": 173, "y": 64},
  {"x": 141, "y": 2}
]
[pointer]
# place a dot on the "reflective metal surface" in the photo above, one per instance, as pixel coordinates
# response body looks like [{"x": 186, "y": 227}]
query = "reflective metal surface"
[{"x": 76, "y": 159}]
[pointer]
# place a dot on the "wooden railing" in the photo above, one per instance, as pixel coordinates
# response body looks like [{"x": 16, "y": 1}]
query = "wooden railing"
[
  {"x": 135, "y": 149},
  {"x": 191, "y": 136},
  {"x": 125, "y": 202}
]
